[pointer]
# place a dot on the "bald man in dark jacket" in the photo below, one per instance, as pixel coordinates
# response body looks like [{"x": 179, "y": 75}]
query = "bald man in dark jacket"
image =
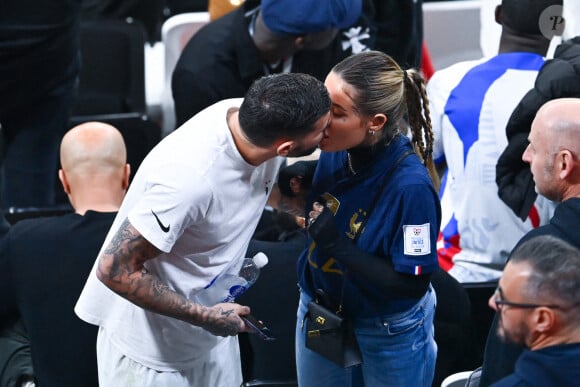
[{"x": 558, "y": 78}]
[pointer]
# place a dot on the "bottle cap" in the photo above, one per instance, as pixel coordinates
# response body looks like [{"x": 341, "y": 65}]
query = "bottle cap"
[{"x": 260, "y": 260}]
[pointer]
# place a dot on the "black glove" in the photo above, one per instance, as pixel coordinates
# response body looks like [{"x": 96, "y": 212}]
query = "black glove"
[
  {"x": 323, "y": 230},
  {"x": 374, "y": 274}
]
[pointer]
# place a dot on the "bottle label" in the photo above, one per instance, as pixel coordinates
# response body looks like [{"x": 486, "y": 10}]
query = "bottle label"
[{"x": 236, "y": 291}]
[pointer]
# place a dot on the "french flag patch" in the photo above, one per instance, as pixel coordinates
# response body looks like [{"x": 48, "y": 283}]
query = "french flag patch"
[{"x": 418, "y": 270}]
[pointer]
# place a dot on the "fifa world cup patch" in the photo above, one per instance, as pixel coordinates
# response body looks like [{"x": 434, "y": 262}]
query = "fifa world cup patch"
[{"x": 417, "y": 239}]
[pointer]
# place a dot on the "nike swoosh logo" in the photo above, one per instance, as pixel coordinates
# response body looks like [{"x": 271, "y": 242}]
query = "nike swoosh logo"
[{"x": 161, "y": 225}]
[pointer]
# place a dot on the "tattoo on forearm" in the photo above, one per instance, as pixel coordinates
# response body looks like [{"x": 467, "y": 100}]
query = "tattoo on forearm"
[
  {"x": 122, "y": 268},
  {"x": 159, "y": 289}
]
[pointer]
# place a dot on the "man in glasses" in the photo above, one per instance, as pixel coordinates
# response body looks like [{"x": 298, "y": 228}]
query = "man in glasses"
[
  {"x": 538, "y": 304},
  {"x": 554, "y": 157}
]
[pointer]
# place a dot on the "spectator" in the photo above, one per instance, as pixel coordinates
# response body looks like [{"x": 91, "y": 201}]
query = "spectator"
[
  {"x": 553, "y": 155},
  {"x": 294, "y": 183},
  {"x": 44, "y": 262},
  {"x": 189, "y": 215},
  {"x": 470, "y": 104},
  {"x": 538, "y": 298},
  {"x": 558, "y": 78},
  {"x": 224, "y": 57},
  {"x": 451, "y": 320},
  {"x": 371, "y": 247},
  {"x": 39, "y": 64}
]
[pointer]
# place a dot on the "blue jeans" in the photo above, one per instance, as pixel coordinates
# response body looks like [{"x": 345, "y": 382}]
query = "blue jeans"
[{"x": 397, "y": 350}]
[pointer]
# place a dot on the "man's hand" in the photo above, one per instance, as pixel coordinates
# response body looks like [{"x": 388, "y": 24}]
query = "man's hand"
[{"x": 224, "y": 319}]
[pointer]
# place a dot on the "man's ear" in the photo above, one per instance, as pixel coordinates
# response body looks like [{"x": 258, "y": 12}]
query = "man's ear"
[
  {"x": 64, "y": 181},
  {"x": 126, "y": 175},
  {"x": 299, "y": 42},
  {"x": 284, "y": 147},
  {"x": 565, "y": 163},
  {"x": 544, "y": 319},
  {"x": 498, "y": 14}
]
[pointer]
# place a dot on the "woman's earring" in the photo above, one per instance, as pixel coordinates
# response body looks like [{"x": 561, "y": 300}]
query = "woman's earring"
[{"x": 371, "y": 132}]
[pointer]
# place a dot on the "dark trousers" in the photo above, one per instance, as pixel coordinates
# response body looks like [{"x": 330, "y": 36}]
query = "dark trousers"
[{"x": 31, "y": 135}]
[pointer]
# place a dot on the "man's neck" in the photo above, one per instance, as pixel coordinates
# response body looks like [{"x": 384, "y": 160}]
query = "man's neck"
[
  {"x": 81, "y": 210},
  {"x": 571, "y": 192},
  {"x": 100, "y": 195},
  {"x": 569, "y": 335},
  {"x": 96, "y": 204},
  {"x": 251, "y": 153},
  {"x": 512, "y": 42}
]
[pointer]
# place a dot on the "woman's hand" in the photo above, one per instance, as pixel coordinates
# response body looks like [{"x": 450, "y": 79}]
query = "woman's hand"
[
  {"x": 321, "y": 226},
  {"x": 317, "y": 209}
]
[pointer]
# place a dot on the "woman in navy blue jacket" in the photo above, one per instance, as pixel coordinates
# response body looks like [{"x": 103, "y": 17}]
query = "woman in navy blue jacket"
[{"x": 375, "y": 262}]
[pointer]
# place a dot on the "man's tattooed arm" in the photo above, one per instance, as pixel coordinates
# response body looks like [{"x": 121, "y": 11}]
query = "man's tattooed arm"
[{"x": 121, "y": 268}]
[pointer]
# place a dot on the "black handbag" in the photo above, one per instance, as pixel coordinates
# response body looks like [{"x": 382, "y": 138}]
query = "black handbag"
[
  {"x": 327, "y": 332},
  {"x": 331, "y": 336}
]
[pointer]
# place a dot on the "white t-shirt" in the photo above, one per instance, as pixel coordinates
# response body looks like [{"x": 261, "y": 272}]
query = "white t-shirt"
[
  {"x": 196, "y": 199},
  {"x": 471, "y": 103}
]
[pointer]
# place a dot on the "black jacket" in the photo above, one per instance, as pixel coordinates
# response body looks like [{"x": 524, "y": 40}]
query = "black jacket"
[
  {"x": 558, "y": 78},
  {"x": 550, "y": 366},
  {"x": 44, "y": 264}
]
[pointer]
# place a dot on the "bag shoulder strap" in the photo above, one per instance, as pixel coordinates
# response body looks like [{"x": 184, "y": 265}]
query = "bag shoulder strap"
[
  {"x": 376, "y": 198},
  {"x": 381, "y": 189}
]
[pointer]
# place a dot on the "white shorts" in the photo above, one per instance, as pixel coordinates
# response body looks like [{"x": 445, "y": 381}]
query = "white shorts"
[{"x": 117, "y": 370}]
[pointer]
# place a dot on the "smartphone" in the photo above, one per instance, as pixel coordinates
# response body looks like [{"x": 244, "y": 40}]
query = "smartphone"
[{"x": 258, "y": 327}]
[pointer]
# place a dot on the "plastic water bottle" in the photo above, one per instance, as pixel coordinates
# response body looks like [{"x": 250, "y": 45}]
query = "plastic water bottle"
[{"x": 227, "y": 287}]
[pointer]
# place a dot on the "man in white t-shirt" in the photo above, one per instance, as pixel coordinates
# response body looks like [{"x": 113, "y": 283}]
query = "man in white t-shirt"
[
  {"x": 471, "y": 103},
  {"x": 188, "y": 216}
]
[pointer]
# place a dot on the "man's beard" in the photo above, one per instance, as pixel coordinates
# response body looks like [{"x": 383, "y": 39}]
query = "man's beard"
[
  {"x": 516, "y": 335},
  {"x": 299, "y": 152}
]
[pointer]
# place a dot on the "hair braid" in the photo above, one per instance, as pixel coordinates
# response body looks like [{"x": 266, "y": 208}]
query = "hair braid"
[
  {"x": 420, "y": 122},
  {"x": 382, "y": 87}
]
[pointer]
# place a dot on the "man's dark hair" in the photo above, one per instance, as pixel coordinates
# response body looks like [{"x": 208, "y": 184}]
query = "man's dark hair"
[
  {"x": 555, "y": 267},
  {"x": 282, "y": 106},
  {"x": 523, "y": 16}
]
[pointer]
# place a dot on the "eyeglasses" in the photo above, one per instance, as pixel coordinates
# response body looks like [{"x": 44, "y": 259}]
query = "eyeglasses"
[{"x": 499, "y": 300}]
